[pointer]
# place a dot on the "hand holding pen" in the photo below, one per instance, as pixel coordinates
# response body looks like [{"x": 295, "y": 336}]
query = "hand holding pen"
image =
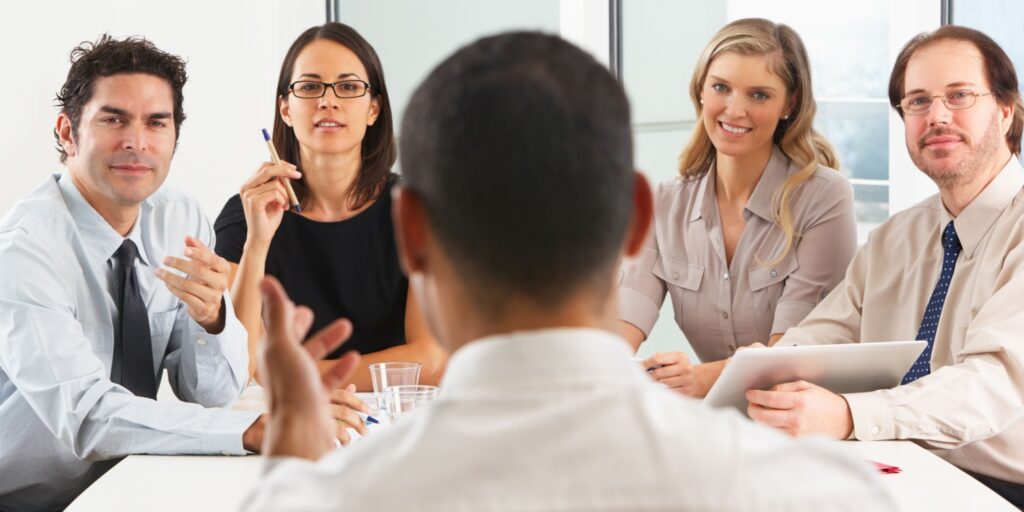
[{"x": 265, "y": 197}]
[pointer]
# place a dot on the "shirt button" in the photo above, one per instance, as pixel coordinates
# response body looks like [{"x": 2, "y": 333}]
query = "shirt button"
[
  {"x": 773, "y": 273},
  {"x": 200, "y": 341},
  {"x": 875, "y": 429},
  {"x": 675, "y": 275},
  {"x": 725, "y": 315},
  {"x": 225, "y": 453},
  {"x": 725, "y": 276}
]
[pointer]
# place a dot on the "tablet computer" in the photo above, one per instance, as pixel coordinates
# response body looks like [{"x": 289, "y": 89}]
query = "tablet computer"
[{"x": 843, "y": 368}]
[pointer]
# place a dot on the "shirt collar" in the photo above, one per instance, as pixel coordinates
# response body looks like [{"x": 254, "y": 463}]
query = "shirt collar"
[
  {"x": 772, "y": 179},
  {"x": 542, "y": 359},
  {"x": 760, "y": 202},
  {"x": 100, "y": 239},
  {"x": 975, "y": 221}
]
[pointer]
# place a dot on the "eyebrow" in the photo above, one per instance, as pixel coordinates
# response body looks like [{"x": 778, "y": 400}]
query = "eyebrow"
[
  {"x": 950, "y": 85},
  {"x": 124, "y": 113},
  {"x": 764, "y": 87},
  {"x": 318, "y": 77}
]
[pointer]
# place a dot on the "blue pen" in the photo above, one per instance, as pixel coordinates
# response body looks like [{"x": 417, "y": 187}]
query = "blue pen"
[
  {"x": 369, "y": 420},
  {"x": 292, "y": 198}
]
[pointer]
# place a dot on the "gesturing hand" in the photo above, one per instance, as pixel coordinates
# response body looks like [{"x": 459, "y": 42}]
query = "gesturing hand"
[
  {"x": 300, "y": 420},
  {"x": 202, "y": 289}
]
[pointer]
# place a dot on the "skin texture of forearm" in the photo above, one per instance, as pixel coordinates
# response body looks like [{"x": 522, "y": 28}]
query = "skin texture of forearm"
[
  {"x": 428, "y": 353},
  {"x": 245, "y": 296}
]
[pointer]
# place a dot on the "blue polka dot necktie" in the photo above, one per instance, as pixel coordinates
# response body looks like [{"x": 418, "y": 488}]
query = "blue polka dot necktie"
[
  {"x": 930, "y": 322},
  {"x": 132, "y": 365}
]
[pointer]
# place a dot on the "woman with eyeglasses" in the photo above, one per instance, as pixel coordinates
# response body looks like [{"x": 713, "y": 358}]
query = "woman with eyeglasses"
[
  {"x": 758, "y": 227},
  {"x": 335, "y": 255}
]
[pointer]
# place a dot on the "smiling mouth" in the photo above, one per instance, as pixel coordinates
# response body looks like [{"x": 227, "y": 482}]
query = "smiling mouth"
[
  {"x": 328, "y": 124},
  {"x": 733, "y": 129}
]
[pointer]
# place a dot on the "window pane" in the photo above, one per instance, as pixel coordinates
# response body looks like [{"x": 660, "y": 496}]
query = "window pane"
[
  {"x": 872, "y": 203},
  {"x": 859, "y": 132}
]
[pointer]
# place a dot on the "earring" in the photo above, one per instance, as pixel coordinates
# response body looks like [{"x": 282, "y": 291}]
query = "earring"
[
  {"x": 701, "y": 101},
  {"x": 785, "y": 117}
]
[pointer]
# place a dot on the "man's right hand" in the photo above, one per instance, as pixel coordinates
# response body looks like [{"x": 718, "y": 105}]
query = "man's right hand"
[
  {"x": 299, "y": 422},
  {"x": 264, "y": 200}
]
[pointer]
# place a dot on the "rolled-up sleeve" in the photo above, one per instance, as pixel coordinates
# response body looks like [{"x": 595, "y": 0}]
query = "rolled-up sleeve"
[
  {"x": 641, "y": 293},
  {"x": 827, "y": 243}
]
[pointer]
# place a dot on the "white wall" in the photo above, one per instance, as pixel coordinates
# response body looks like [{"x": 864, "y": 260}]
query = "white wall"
[{"x": 233, "y": 48}]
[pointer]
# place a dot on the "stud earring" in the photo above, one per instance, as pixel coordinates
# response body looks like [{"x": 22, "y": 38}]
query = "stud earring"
[{"x": 785, "y": 117}]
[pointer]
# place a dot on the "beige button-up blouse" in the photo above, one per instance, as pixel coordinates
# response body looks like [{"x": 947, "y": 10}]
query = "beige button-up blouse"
[{"x": 720, "y": 307}]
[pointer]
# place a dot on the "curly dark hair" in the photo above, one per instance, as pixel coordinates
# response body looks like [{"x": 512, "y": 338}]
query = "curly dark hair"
[{"x": 108, "y": 56}]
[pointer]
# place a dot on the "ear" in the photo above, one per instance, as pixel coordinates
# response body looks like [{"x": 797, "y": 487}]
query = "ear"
[
  {"x": 66, "y": 134},
  {"x": 374, "y": 111},
  {"x": 1006, "y": 113},
  {"x": 284, "y": 110},
  {"x": 643, "y": 213},
  {"x": 411, "y": 232}
]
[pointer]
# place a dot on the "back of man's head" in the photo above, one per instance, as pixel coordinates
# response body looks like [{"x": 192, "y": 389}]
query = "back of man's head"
[{"x": 519, "y": 147}]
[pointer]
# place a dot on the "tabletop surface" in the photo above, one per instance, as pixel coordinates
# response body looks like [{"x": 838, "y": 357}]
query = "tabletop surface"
[{"x": 175, "y": 483}]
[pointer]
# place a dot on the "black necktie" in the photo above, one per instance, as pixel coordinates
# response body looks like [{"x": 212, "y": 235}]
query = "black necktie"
[{"x": 133, "y": 348}]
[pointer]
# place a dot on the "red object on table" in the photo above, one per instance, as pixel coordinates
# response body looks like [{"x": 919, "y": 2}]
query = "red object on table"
[{"x": 885, "y": 468}]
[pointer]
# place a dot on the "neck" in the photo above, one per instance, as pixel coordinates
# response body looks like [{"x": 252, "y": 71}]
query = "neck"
[
  {"x": 463, "y": 325},
  {"x": 328, "y": 179},
  {"x": 121, "y": 217},
  {"x": 736, "y": 177},
  {"x": 958, "y": 197}
]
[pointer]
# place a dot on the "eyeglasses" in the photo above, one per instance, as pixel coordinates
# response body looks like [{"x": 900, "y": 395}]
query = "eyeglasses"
[
  {"x": 342, "y": 89},
  {"x": 917, "y": 104}
]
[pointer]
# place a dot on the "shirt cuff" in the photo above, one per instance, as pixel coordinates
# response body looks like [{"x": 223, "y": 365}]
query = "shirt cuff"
[
  {"x": 637, "y": 309},
  {"x": 790, "y": 314},
  {"x": 872, "y": 416},
  {"x": 224, "y": 433}
]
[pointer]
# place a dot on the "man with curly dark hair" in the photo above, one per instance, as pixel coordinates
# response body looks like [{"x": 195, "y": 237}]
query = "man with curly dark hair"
[{"x": 87, "y": 328}]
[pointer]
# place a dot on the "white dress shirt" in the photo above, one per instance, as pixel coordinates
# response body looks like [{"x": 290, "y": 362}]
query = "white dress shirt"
[
  {"x": 62, "y": 420},
  {"x": 970, "y": 409},
  {"x": 565, "y": 420}
]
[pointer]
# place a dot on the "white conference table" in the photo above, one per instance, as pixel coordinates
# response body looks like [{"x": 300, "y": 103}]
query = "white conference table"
[{"x": 195, "y": 483}]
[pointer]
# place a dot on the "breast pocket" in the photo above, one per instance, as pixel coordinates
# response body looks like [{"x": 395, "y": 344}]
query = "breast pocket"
[
  {"x": 683, "y": 281},
  {"x": 161, "y": 324},
  {"x": 766, "y": 286}
]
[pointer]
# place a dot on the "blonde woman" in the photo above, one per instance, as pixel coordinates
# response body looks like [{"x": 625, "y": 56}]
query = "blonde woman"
[{"x": 758, "y": 227}]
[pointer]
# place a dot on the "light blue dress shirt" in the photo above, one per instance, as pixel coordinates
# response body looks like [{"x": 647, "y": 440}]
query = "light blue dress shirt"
[{"x": 62, "y": 421}]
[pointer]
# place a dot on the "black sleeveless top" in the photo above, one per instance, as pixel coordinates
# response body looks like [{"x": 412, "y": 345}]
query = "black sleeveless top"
[{"x": 338, "y": 269}]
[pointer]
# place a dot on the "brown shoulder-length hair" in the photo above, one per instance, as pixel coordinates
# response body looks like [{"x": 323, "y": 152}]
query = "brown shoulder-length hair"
[
  {"x": 1002, "y": 78},
  {"x": 795, "y": 135},
  {"x": 378, "y": 147}
]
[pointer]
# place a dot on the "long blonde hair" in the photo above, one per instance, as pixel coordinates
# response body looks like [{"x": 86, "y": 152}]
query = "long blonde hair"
[{"x": 795, "y": 136}]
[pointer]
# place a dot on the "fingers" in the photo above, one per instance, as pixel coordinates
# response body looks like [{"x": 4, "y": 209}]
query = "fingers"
[
  {"x": 278, "y": 312},
  {"x": 181, "y": 285},
  {"x": 271, "y": 193},
  {"x": 783, "y": 400},
  {"x": 196, "y": 250},
  {"x": 268, "y": 171},
  {"x": 302, "y": 321},
  {"x": 665, "y": 359},
  {"x": 344, "y": 416},
  {"x": 341, "y": 371},
  {"x": 329, "y": 338},
  {"x": 799, "y": 385},
  {"x": 770, "y": 417},
  {"x": 348, "y": 398},
  {"x": 341, "y": 433}
]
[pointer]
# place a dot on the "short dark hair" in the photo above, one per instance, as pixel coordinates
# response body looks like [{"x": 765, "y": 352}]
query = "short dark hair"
[
  {"x": 519, "y": 146},
  {"x": 107, "y": 57},
  {"x": 379, "y": 151},
  {"x": 999, "y": 71}
]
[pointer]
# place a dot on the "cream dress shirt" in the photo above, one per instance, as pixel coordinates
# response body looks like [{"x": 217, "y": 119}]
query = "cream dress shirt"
[
  {"x": 721, "y": 307},
  {"x": 970, "y": 409},
  {"x": 563, "y": 419}
]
